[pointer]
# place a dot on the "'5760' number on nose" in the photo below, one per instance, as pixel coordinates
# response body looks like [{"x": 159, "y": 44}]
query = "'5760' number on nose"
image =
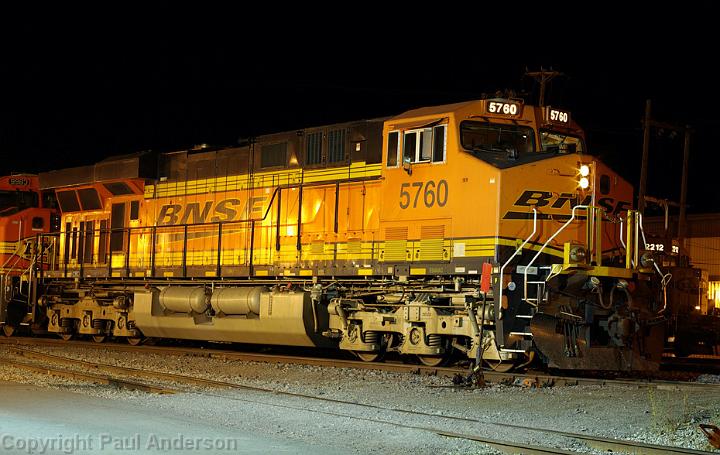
[{"x": 432, "y": 194}]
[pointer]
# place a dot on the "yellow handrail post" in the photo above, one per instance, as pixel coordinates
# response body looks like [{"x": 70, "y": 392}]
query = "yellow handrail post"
[{"x": 629, "y": 239}]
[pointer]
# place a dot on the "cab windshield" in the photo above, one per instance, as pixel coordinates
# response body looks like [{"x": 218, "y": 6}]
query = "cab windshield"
[
  {"x": 485, "y": 139},
  {"x": 552, "y": 141},
  {"x": 13, "y": 201}
]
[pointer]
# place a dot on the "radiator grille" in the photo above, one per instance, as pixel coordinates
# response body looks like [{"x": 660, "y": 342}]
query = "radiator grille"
[
  {"x": 431, "y": 243},
  {"x": 317, "y": 247},
  {"x": 396, "y": 244},
  {"x": 396, "y": 233},
  {"x": 354, "y": 247}
]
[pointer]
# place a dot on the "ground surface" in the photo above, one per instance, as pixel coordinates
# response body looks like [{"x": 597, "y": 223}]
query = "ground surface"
[{"x": 277, "y": 423}]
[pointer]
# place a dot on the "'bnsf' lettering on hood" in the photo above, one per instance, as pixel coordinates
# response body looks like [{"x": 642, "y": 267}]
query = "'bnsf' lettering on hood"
[{"x": 211, "y": 212}]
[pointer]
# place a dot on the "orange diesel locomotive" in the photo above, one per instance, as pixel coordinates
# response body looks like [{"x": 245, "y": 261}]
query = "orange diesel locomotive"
[
  {"x": 24, "y": 214},
  {"x": 480, "y": 228}
]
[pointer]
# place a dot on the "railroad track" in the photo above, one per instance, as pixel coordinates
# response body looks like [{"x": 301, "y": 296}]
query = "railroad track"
[
  {"x": 532, "y": 379},
  {"x": 164, "y": 382},
  {"x": 225, "y": 354},
  {"x": 704, "y": 363},
  {"x": 89, "y": 377}
]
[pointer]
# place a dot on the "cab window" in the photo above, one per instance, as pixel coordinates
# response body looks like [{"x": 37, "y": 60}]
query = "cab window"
[
  {"x": 393, "y": 148},
  {"x": 555, "y": 142},
  {"x": 439, "y": 143},
  {"x": 502, "y": 141},
  {"x": 422, "y": 145},
  {"x": 12, "y": 202}
]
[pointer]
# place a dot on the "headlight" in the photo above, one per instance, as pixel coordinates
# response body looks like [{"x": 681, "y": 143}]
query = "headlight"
[
  {"x": 578, "y": 254},
  {"x": 646, "y": 260},
  {"x": 593, "y": 283},
  {"x": 584, "y": 176}
]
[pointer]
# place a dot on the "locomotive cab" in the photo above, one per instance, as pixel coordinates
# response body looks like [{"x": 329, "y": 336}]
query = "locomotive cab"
[
  {"x": 496, "y": 182},
  {"x": 25, "y": 213},
  {"x": 94, "y": 221}
]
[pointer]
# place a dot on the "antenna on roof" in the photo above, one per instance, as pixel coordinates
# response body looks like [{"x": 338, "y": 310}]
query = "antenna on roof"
[{"x": 543, "y": 77}]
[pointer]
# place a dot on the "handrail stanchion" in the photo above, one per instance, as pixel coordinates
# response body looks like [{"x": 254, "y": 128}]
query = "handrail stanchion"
[
  {"x": 500, "y": 284},
  {"x": 184, "y": 254},
  {"x": 550, "y": 239},
  {"x": 218, "y": 270},
  {"x": 153, "y": 251}
]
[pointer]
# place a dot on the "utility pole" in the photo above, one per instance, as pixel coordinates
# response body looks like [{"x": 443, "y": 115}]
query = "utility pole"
[
  {"x": 645, "y": 152},
  {"x": 682, "y": 225},
  {"x": 543, "y": 77},
  {"x": 648, "y": 123},
  {"x": 665, "y": 204}
]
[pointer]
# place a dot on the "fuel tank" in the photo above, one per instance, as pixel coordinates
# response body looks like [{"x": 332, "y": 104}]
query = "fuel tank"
[{"x": 253, "y": 315}]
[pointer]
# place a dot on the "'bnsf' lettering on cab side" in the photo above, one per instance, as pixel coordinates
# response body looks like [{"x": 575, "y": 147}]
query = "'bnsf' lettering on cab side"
[
  {"x": 535, "y": 198},
  {"x": 210, "y": 212}
]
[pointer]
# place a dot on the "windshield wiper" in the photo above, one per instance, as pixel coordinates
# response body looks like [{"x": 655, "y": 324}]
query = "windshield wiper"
[{"x": 488, "y": 148}]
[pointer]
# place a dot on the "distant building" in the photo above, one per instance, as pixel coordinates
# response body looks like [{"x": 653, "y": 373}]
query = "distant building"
[{"x": 702, "y": 244}]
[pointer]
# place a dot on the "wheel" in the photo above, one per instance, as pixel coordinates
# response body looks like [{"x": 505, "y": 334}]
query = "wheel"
[
  {"x": 150, "y": 341},
  {"x": 499, "y": 366},
  {"x": 431, "y": 360},
  {"x": 682, "y": 349},
  {"x": 65, "y": 336},
  {"x": 98, "y": 338},
  {"x": 134, "y": 341},
  {"x": 369, "y": 356},
  {"x": 8, "y": 330}
]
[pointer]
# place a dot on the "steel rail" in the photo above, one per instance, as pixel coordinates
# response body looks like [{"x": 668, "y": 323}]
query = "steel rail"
[{"x": 95, "y": 378}]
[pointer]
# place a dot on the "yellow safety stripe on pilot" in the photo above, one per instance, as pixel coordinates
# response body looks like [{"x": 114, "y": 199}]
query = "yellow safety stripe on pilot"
[
  {"x": 8, "y": 247},
  {"x": 18, "y": 249},
  {"x": 262, "y": 180},
  {"x": 11, "y": 270},
  {"x": 551, "y": 250}
]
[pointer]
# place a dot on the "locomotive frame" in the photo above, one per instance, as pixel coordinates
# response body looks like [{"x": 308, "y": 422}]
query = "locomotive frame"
[{"x": 479, "y": 227}]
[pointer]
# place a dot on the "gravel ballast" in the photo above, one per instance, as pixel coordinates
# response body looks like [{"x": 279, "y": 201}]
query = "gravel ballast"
[{"x": 664, "y": 417}]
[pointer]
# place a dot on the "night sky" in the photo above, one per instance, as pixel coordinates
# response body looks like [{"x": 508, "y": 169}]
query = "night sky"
[{"x": 75, "y": 93}]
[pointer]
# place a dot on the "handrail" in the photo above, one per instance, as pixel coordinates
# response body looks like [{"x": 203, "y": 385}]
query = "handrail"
[
  {"x": 567, "y": 223},
  {"x": 130, "y": 229},
  {"x": 217, "y": 226},
  {"x": 277, "y": 189},
  {"x": 15, "y": 256},
  {"x": 640, "y": 225},
  {"x": 664, "y": 277},
  {"x": 622, "y": 231},
  {"x": 12, "y": 256},
  {"x": 500, "y": 284}
]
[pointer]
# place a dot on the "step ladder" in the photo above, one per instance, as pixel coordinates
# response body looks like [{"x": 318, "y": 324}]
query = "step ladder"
[
  {"x": 539, "y": 295},
  {"x": 524, "y": 336},
  {"x": 539, "y": 292},
  {"x": 534, "y": 302}
]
